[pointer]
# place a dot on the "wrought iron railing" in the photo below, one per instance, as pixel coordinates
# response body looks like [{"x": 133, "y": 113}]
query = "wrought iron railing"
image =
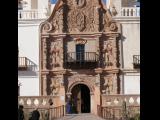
[
  {"x": 81, "y": 59},
  {"x": 136, "y": 61}
]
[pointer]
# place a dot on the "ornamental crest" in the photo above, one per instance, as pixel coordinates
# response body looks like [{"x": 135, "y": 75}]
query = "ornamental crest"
[{"x": 80, "y": 21}]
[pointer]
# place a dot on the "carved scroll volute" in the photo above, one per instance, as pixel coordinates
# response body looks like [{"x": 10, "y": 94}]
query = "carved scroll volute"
[
  {"x": 113, "y": 27},
  {"x": 47, "y": 27}
]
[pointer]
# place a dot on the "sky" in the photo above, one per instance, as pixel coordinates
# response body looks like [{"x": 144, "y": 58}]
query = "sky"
[{"x": 54, "y": 1}]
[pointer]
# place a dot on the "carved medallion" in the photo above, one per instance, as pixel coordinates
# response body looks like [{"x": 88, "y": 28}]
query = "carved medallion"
[
  {"x": 80, "y": 20},
  {"x": 113, "y": 27}
]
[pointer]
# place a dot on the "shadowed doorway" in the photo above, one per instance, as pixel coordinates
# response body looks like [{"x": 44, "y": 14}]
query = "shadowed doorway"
[{"x": 80, "y": 99}]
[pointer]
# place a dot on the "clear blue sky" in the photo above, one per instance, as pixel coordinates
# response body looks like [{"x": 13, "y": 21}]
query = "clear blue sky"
[{"x": 54, "y": 1}]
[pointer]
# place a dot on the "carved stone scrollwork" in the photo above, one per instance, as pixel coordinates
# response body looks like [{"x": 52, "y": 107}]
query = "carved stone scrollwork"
[
  {"x": 47, "y": 27},
  {"x": 113, "y": 27},
  {"x": 80, "y": 3},
  {"x": 55, "y": 86},
  {"x": 108, "y": 54},
  {"x": 111, "y": 84},
  {"x": 44, "y": 53},
  {"x": 55, "y": 54},
  {"x": 80, "y": 20},
  {"x": 58, "y": 21}
]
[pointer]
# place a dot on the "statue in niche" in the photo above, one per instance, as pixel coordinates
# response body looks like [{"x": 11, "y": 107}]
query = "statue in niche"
[
  {"x": 109, "y": 85},
  {"x": 55, "y": 54},
  {"x": 54, "y": 86},
  {"x": 108, "y": 54}
]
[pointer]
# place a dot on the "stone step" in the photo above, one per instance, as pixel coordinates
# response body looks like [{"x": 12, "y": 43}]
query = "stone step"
[{"x": 83, "y": 116}]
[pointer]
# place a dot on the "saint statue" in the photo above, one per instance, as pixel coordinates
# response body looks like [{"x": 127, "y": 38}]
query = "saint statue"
[
  {"x": 55, "y": 85},
  {"x": 55, "y": 51},
  {"x": 108, "y": 54},
  {"x": 109, "y": 85}
]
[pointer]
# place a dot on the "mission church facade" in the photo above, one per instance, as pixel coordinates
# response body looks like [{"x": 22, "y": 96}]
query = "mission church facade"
[{"x": 79, "y": 55}]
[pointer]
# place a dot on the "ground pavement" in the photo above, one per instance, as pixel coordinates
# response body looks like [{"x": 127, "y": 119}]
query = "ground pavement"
[{"x": 84, "y": 116}]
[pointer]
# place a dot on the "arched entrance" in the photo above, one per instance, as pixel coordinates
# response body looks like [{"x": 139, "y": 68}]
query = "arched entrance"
[{"x": 80, "y": 99}]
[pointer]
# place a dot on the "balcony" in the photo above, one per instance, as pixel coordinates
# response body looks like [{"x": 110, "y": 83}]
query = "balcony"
[
  {"x": 86, "y": 60},
  {"x": 25, "y": 64},
  {"x": 31, "y": 14},
  {"x": 130, "y": 12},
  {"x": 136, "y": 61}
]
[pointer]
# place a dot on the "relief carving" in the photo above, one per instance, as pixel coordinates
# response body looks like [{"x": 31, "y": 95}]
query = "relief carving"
[
  {"x": 83, "y": 20},
  {"x": 113, "y": 27},
  {"x": 47, "y": 27},
  {"x": 44, "y": 61},
  {"x": 55, "y": 86},
  {"x": 80, "y": 3},
  {"x": 55, "y": 54},
  {"x": 58, "y": 21},
  {"x": 108, "y": 49},
  {"x": 80, "y": 20},
  {"x": 109, "y": 85},
  {"x": 106, "y": 22}
]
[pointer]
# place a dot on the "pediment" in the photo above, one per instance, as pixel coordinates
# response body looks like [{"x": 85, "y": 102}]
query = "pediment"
[{"x": 79, "y": 16}]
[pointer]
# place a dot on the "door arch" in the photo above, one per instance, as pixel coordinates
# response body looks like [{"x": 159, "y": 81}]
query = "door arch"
[{"x": 80, "y": 99}]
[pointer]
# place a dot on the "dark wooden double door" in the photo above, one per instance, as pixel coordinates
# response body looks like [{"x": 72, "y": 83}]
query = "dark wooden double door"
[{"x": 80, "y": 99}]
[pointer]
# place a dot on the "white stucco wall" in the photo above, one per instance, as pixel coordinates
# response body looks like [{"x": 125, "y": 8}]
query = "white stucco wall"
[
  {"x": 28, "y": 42},
  {"x": 42, "y": 4},
  {"x": 90, "y": 46},
  {"x": 132, "y": 84},
  {"x": 29, "y": 85},
  {"x": 131, "y": 43}
]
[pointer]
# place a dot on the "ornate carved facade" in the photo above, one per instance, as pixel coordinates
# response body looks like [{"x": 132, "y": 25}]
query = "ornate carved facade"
[{"x": 79, "y": 45}]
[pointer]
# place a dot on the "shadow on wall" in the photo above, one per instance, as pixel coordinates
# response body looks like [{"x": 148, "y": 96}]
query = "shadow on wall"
[
  {"x": 121, "y": 49},
  {"x": 27, "y": 73}
]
